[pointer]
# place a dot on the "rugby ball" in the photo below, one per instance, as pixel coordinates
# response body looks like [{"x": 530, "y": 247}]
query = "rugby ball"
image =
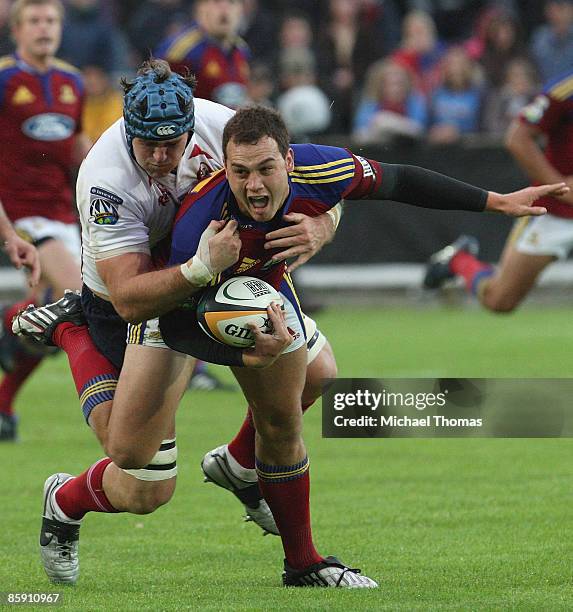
[{"x": 223, "y": 311}]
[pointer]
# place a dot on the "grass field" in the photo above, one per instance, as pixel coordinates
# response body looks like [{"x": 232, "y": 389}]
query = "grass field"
[{"x": 444, "y": 524}]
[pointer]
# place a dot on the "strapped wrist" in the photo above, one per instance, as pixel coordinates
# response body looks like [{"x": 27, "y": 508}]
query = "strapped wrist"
[{"x": 197, "y": 274}]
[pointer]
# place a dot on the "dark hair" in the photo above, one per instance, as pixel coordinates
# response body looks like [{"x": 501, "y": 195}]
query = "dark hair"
[
  {"x": 252, "y": 123},
  {"x": 162, "y": 71}
]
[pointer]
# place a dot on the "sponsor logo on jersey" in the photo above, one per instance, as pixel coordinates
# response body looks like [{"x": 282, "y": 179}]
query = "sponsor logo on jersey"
[
  {"x": 166, "y": 129},
  {"x": 49, "y": 127},
  {"x": 366, "y": 167},
  {"x": 103, "y": 212},
  {"x": 67, "y": 95},
  {"x": 23, "y": 96},
  {"x": 246, "y": 264},
  {"x": 108, "y": 195}
]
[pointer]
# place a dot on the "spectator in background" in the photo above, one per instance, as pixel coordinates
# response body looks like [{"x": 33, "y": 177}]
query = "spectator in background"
[
  {"x": 420, "y": 49},
  {"x": 502, "y": 43},
  {"x": 346, "y": 45},
  {"x": 212, "y": 50},
  {"x": 261, "y": 85},
  {"x": 503, "y": 104},
  {"x": 455, "y": 106},
  {"x": 103, "y": 102},
  {"x": 552, "y": 43},
  {"x": 391, "y": 105},
  {"x": 258, "y": 29},
  {"x": 152, "y": 22},
  {"x": 303, "y": 105},
  {"x": 6, "y": 44},
  {"x": 89, "y": 38}
]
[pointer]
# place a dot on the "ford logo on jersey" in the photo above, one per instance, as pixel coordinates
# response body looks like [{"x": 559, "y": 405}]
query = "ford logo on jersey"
[{"x": 49, "y": 126}]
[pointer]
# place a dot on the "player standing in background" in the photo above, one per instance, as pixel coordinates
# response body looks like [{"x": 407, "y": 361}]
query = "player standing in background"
[
  {"x": 535, "y": 242},
  {"x": 264, "y": 179},
  {"x": 212, "y": 50},
  {"x": 40, "y": 120}
]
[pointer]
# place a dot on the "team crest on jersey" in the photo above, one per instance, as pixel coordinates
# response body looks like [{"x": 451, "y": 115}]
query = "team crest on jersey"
[
  {"x": 67, "y": 95},
  {"x": 103, "y": 206},
  {"x": 203, "y": 172},
  {"x": 23, "y": 96},
  {"x": 49, "y": 127},
  {"x": 533, "y": 112},
  {"x": 213, "y": 69}
]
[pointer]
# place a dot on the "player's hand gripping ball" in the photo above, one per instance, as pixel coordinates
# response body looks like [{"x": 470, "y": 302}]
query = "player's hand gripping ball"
[{"x": 223, "y": 311}]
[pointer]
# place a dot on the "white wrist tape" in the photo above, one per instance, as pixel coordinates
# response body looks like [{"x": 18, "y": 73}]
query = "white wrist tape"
[
  {"x": 197, "y": 273},
  {"x": 200, "y": 272},
  {"x": 335, "y": 214}
]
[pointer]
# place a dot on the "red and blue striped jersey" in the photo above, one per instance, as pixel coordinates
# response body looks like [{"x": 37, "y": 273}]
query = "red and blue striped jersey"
[
  {"x": 552, "y": 113},
  {"x": 321, "y": 178},
  {"x": 222, "y": 74},
  {"x": 40, "y": 115}
]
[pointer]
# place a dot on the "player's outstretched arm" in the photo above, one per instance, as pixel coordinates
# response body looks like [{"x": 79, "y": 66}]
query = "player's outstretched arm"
[
  {"x": 428, "y": 189},
  {"x": 20, "y": 252},
  {"x": 268, "y": 346},
  {"x": 305, "y": 236}
]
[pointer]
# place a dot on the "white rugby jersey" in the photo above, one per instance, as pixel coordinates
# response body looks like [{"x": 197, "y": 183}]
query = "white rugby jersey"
[{"x": 122, "y": 209}]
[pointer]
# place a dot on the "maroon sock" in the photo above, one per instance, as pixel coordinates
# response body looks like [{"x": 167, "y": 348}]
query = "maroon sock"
[
  {"x": 11, "y": 312},
  {"x": 13, "y": 381},
  {"x": 470, "y": 269},
  {"x": 94, "y": 375},
  {"x": 85, "y": 493},
  {"x": 287, "y": 491},
  {"x": 242, "y": 446}
]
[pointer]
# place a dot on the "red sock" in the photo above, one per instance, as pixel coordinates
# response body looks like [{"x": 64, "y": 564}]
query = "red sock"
[
  {"x": 470, "y": 268},
  {"x": 13, "y": 310},
  {"x": 13, "y": 381},
  {"x": 242, "y": 446},
  {"x": 287, "y": 491},
  {"x": 95, "y": 377},
  {"x": 85, "y": 493}
]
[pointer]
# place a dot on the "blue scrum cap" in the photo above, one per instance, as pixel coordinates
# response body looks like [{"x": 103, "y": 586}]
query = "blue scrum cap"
[{"x": 158, "y": 111}]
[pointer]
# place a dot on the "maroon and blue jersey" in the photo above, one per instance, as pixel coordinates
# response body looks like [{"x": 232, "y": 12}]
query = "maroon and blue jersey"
[
  {"x": 40, "y": 115},
  {"x": 222, "y": 73},
  {"x": 552, "y": 113},
  {"x": 321, "y": 178}
]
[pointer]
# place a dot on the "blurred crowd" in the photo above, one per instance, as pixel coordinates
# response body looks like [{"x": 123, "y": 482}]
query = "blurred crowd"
[{"x": 432, "y": 69}]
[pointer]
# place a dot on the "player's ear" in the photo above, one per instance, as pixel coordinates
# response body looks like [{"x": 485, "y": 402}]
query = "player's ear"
[{"x": 289, "y": 160}]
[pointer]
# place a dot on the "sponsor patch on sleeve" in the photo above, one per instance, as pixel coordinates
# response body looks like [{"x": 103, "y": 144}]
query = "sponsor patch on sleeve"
[{"x": 103, "y": 206}]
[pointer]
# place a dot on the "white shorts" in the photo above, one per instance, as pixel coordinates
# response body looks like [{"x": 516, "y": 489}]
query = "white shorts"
[
  {"x": 149, "y": 334},
  {"x": 546, "y": 235},
  {"x": 37, "y": 229}
]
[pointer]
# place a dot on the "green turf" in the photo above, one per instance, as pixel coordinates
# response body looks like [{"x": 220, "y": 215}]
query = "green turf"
[{"x": 443, "y": 524}]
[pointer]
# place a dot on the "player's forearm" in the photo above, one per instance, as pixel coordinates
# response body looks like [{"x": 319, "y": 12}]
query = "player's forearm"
[
  {"x": 521, "y": 143},
  {"x": 428, "y": 189},
  {"x": 152, "y": 294}
]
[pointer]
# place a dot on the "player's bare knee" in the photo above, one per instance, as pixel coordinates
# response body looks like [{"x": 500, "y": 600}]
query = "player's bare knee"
[
  {"x": 501, "y": 304},
  {"x": 280, "y": 430},
  {"x": 146, "y": 499}
]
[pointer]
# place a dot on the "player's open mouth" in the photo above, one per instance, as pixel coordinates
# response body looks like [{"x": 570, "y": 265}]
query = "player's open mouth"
[{"x": 258, "y": 201}]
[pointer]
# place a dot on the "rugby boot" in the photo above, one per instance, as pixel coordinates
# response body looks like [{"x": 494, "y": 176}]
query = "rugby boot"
[
  {"x": 216, "y": 469},
  {"x": 40, "y": 322},
  {"x": 330, "y": 572},
  {"x": 59, "y": 540},
  {"x": 438, "y": 267}
]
